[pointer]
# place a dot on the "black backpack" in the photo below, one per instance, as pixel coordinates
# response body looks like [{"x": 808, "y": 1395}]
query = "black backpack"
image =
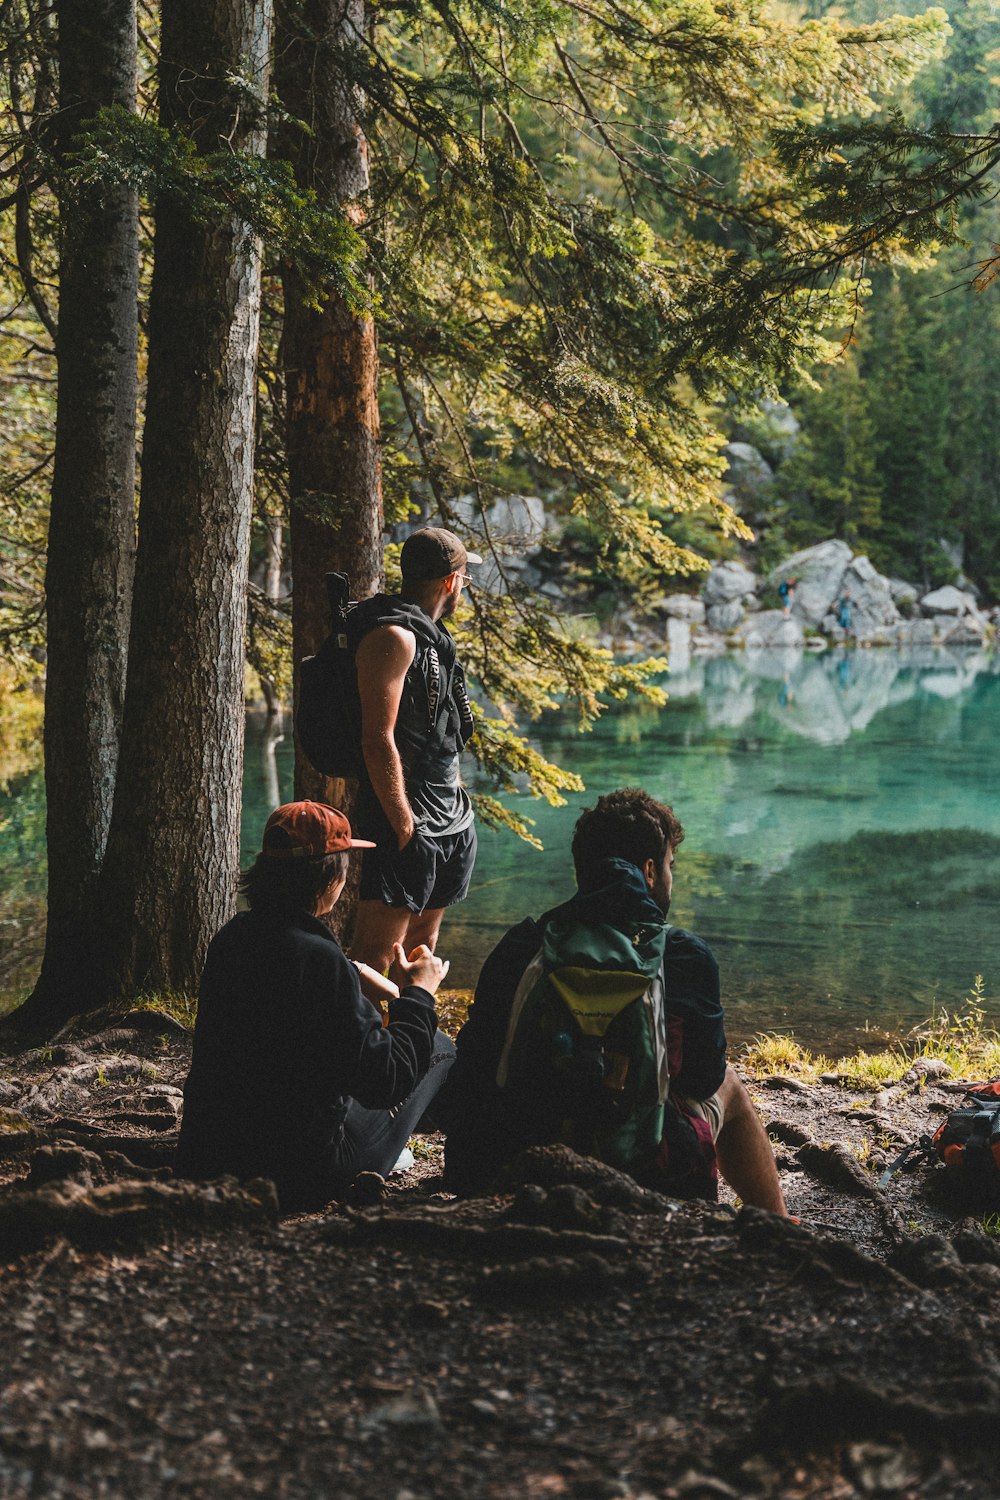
[{"x": 328, "y": 712}]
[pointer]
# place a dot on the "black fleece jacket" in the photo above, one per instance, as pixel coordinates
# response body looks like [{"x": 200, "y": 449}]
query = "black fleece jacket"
[{"x": 284, "y": 1038}]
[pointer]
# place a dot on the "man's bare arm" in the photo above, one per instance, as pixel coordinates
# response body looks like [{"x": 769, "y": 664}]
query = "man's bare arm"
[{"x": 384, "y": 657}]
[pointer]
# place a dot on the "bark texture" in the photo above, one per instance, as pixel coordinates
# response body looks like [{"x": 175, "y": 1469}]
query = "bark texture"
[
  {"x": 330, "y": 352},
  {"x": 91, "y": 544},
  {"x": 173, "y": 850}
]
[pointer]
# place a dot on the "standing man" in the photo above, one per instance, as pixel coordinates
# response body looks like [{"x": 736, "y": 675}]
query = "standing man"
[{"x": 415, "y": 719}]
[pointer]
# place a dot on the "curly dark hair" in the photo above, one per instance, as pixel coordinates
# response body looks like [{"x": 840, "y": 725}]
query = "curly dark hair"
[
  {"x": 297, "y": 883},
  {"x": 629, "y": 824}
]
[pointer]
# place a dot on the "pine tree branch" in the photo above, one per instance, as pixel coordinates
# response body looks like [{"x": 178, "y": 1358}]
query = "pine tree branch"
[
  {"x": 24, "y": 249},
  {"x": 592, "y": 117}
]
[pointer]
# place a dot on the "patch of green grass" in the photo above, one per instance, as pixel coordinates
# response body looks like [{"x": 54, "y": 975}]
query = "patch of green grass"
[
  {"x": 183, "y": 1008},
  {"x": 991, "y": 1225},
  {"x": 961, "y": 1038},
  {"x": 773, "y": 1052},
  {"x": 873, "y": 1070}
]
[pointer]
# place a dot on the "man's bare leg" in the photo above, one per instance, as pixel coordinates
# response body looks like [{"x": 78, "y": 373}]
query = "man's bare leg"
[
  {"x": 377, "y": 927},
  {"x": 746, "y": 1160},
  {"x": 423, "y": 927}
]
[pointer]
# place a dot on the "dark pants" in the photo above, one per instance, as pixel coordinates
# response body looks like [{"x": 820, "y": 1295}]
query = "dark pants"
[{"x": 373, "y": 1139}]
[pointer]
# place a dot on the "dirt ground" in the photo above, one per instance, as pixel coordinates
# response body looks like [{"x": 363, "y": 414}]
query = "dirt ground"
[{"x": 570, "y": 1335}]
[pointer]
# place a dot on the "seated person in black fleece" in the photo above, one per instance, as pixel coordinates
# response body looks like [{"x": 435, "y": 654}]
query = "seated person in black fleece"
[
  {"x": 294, "y": 1076},
  {"x": 623, "y": 853}
]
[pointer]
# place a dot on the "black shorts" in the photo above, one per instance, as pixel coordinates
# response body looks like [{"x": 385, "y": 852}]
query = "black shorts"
[{"x": 428, "y": 872}]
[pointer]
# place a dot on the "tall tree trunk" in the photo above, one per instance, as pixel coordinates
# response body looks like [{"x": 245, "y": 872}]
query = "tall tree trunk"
[
  {"x": 330, "y": 352},
  {"x": 91, "y": 545},
  {"x": 173, "y": 850}
]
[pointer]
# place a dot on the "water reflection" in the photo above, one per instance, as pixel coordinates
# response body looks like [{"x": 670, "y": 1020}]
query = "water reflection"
[{"x": 826, "y": 696}]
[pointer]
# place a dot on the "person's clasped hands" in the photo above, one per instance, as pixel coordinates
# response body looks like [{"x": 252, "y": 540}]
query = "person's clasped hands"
[{"x": 422, "y": 968}]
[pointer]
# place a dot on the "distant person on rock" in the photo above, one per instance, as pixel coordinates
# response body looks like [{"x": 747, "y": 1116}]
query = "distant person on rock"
[
  {"x": 294, "y": 1076},
  {"x": 415, "y": 720},
  {"x": 786, "y": 593},
  {"x": 844, "y": 607},
  {"x": 601, "y": 1025}
]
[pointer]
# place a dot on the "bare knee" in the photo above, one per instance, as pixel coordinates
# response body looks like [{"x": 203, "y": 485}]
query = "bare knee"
[
  {"x": 423, "y": 927},
  {"x": 736, "y": 1101}
]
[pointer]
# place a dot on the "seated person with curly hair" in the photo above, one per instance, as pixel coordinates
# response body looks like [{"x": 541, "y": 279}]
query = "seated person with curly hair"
[{"x": 623, "y": 853}]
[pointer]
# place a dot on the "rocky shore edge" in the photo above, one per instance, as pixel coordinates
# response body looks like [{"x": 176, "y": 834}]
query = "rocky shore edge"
[{"x": 732, "y": 606}]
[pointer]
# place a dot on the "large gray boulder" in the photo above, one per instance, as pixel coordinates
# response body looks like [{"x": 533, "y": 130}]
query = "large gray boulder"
[
  {"x": 725, "y": 616},
  {"x": 749, "y": 470},
  {"x": 917, "y": 632},
  {"x": 682, "y": 607},
  {"x": 517, "y": 521},
  {"x": 728, "y": 581},
  {"x": 678, "y": 644},
  {"x": 960, "y": 630},
  {"x": 873, "y": 609},
  {"x": 819, "y": 572},
  {"x": 947, "y": 601},
  {"x": 513, "y": 528}
]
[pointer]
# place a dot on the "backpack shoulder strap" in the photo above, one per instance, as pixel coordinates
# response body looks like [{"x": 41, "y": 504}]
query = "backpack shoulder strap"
[
  {"x": 656, "y": 1011},
  {"x": 525, "y": 986},
  {"x": 656, "y": 1004}
]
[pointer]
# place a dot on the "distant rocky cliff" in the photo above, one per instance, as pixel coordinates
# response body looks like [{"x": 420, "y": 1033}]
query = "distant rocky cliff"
[
  {"x": 833, "y": 596},
  {"x": 836, "y": 595}
]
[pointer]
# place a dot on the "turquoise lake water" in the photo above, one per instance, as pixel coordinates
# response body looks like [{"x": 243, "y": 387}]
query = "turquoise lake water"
[{"x": 843, "y": 832}]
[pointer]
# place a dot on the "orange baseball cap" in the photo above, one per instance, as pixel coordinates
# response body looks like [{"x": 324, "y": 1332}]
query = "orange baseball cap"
[{"x": 308, "y": 830}]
